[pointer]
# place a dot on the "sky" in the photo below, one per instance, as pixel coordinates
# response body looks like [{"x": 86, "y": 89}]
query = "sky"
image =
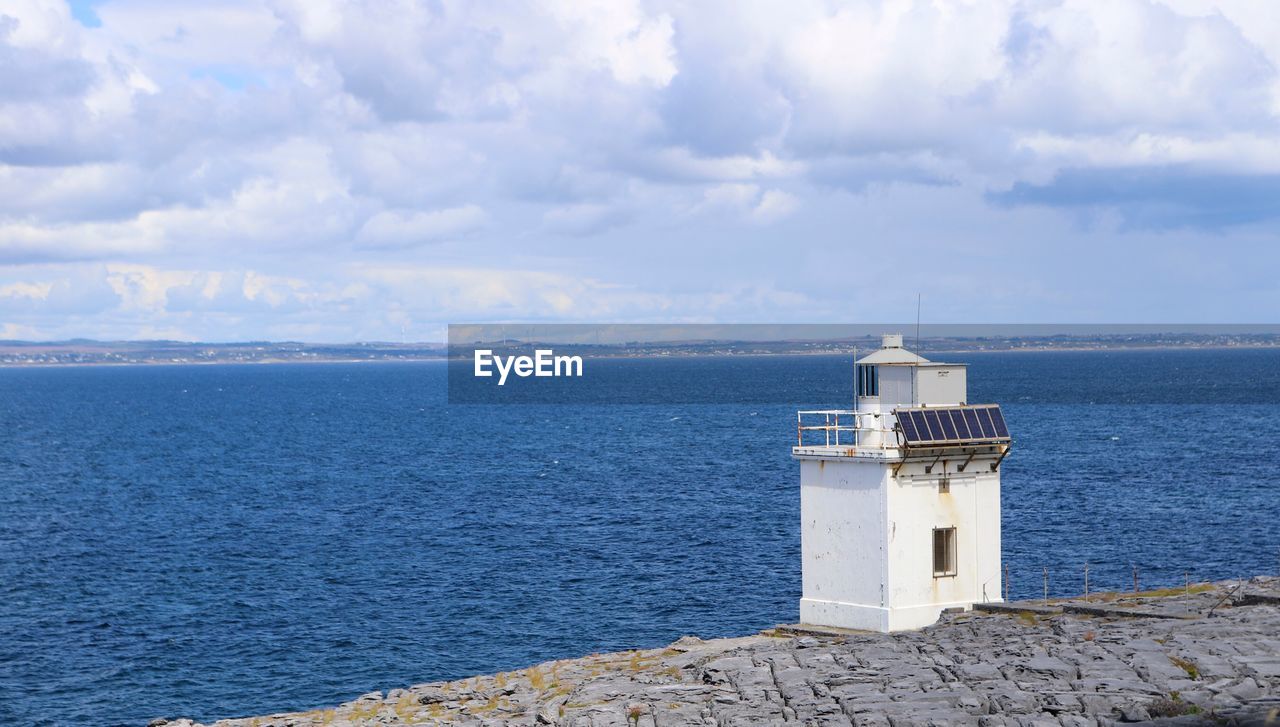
[{"x": 326, "y": 170}]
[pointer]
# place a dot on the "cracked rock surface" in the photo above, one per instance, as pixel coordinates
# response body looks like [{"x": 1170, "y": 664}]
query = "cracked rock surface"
[{"x": 1015, "y": 668}]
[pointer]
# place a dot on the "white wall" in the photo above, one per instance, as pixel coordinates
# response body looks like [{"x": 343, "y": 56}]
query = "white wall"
[
  {"x": 843, "y": 520},
  {"x": 895, "y": 387},
  {"x": 941, "y": 384},
  {"x": 867, "y": 541},
  {"x": 915, "y": 508}
]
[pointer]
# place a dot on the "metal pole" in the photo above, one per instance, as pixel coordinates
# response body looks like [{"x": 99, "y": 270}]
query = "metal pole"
[
  {"x": 919, "y": 296},
  {"x": 1046, "y": 583},
  {"x": 1086, "y": 581},
  {"x": 1006, "y": 584},
  {"x": 856, "y": 437},
  {"x": 1135, "y": 576},
  {"x": 1187, "y": 576}
]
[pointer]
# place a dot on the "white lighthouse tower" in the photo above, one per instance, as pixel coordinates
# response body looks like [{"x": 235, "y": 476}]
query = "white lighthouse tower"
[{"x": 900, "y": 497}]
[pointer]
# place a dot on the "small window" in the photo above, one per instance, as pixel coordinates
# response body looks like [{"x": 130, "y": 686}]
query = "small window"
[
  {"x": 868, "y": 381},
  {"x": 944, "y": 552}
]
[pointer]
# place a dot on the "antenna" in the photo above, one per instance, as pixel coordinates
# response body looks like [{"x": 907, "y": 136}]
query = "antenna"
[
  {"x": 918, "y": 297},
  {"x": 915, "y": 367},
  {"x": 855, "y": 391}
]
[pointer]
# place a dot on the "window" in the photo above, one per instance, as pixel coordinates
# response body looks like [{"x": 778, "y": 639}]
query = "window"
[
  {"x": 868, "y": 381},
  {"x": 944, "y": 552}
]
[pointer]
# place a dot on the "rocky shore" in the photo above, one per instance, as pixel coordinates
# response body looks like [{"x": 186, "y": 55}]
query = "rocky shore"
[{"x": 1209, "y": 654}]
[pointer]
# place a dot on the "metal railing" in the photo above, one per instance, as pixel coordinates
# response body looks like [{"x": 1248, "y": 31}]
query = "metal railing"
[
  {"x": 1102, "y": 581},
  {"x": 832, "y": 426}
]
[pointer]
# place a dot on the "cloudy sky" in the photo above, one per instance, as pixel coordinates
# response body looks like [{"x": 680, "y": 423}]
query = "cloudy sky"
[{"x": 332, "y": 171}]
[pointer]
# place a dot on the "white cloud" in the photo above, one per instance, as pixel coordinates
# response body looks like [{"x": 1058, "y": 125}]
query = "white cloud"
[
  {"x": 583, "y": 219},
  {"x": 1236, "y": 152},
  {"x": 748, "y": 201},
  {"x": 734, "y": 196},
  {"x": 682, "y": 164},
  {"x": 29, "y": 291},
  {"x": 56, "y": 294},
  {"x": 618, "y": 36},
  {"x": 26, "y": 242},
  {"x": 407, "y": 228},
  {"x": 241, "y": 166},
  {"x": 17, "y": 332},
  {"x": 143, "y": 287},
  {"x": 774, "y": 205}
]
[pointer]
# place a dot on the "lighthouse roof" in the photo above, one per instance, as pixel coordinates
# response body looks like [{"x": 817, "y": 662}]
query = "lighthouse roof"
[
  {"x": 893, "y": 356},
  {"x": 892, "y": 352}
]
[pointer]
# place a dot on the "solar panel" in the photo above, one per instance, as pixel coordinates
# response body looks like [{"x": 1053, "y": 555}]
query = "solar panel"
[
  {"x": 975, "y": 426},
  {"x": 935, "y": 426},
  {"x": 909, "y": 427},
  {"x": 997, "y": 418},
  {"x": 948, "y": 428},
  {"x": 952, "y": 425},
  {"x": 922, "y": 426},
  {"x": 984, "y": 421}
]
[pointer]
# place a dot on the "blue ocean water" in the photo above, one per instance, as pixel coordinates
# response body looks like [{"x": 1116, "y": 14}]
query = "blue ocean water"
[{"x": 226, "y": 540}]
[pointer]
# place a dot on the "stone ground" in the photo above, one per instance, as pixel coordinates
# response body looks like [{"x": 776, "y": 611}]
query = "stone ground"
[{"x": 1006, "y": 668}]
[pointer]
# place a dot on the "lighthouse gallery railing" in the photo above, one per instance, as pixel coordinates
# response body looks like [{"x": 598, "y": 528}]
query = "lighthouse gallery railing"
[{"x": 834, "y": 422}]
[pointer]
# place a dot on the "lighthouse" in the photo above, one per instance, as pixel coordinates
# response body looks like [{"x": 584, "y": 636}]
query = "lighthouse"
[{"x": 900, "y": 497}]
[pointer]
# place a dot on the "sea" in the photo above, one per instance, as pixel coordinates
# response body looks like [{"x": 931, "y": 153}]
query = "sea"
[{"x": 227, "y": 540}]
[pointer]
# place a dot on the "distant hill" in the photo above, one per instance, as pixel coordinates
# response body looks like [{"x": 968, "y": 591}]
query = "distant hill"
[
  {"x": 83, "y": 351},
  {"x": 89, "y": 352}
]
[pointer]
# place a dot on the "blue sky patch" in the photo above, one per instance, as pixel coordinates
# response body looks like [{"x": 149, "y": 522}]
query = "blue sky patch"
[
  {"x": 235, "y": 79},
  {"x": 1157, "y": 197},
  {"x": 83, "y": 12}
]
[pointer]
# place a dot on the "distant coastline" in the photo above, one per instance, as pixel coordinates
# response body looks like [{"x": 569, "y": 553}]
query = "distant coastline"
[{"x": 151, "y": 353}]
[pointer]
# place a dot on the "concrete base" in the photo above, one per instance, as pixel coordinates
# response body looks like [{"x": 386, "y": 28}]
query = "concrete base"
[
  {"x": 873, "y": 618},
  {"x": 843, "y": 615},
  {"x": 1018, "y": 607},
  {"x": 820, "y": 631}
]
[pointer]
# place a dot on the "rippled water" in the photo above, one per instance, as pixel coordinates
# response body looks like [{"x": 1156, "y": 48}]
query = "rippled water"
[{"x": 227, "y": 540}]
